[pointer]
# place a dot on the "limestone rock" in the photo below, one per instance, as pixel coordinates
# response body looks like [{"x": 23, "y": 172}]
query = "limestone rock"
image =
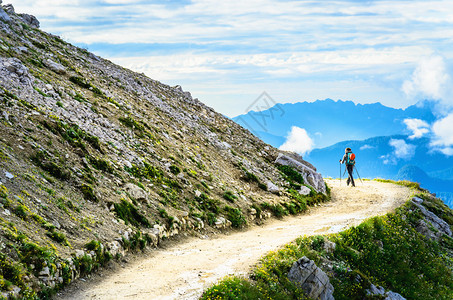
[
  {"x": 12, "y": 68},
  {"x": 394, "y": 296},
  {"x": 423, "y": 227},
  {"x": 380, "y": 291},
  {"x": 45, "y": 271},
  {"x": 9, "y": 8},
  {"x": 115, "y": 248},
  {"x": 4, "y": 16},
  {"x": 304, "y": 190},
  {"x": 30, "y": 20},
  {"x": 311, "y": 279},
  {"x": 271, "y": 187},
  {"x": 329, "y": 246},
  {"x": 136, "y": 192},
  {"x": 54, "y": 66},
  {"x": 309, "y": 174}
]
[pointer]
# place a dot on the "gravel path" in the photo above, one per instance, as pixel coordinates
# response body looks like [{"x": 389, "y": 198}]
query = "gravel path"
[{"x": 184, "y": 270}]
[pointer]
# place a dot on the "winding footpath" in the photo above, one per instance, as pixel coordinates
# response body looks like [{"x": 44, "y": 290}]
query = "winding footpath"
[{"x": 185, "y": 270}]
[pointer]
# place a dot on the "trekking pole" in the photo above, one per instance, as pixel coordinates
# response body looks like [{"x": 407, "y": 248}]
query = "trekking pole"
[
  {"x": 340, "y": 173},
  {"x": 358, "y": 174}
]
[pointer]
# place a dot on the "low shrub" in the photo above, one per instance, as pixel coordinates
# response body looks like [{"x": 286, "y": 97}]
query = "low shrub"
[
  {"x": 88, "y": 192},
  {"x": 130, "y": 214},
  {"x": 235, "y": 216},
  {"x": 230, "y": 196}
]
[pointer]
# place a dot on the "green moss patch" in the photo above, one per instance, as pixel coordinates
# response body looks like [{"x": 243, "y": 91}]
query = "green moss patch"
[{"x": 130, "y": 214}]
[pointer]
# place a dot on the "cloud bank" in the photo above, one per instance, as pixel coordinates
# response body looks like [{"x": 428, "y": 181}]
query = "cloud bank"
[
  {"x": 298, "y": 141},
  {"x": 401, "y": 150},
  {"x": 431, "y": 80},
  {"x": 418, "y": 127},
  {"x": 443, "y": 135},
  {"x": 227, "y": 53}
]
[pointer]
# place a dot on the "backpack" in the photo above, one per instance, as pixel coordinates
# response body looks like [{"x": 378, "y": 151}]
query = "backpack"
[{"x": 351, "y": 159}]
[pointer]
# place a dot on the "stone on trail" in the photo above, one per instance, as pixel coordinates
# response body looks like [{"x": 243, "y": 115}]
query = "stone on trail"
[{"x": 311, "y": 279}]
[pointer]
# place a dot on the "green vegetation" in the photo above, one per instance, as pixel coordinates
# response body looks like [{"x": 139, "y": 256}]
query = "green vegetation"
[
  {"x": 86, "y": 84},
  {"x": 43, "y": 160},
  {"x": 204, "y": 203},
  {"x": 250, "y": 177},
  {"x": 141, "y": 128},
  {"x": 230, "y": 196},
  {"x": 100, "y": 164},
  {"x": 21, "y": 211},
  {"x": 58, "y": 237},
  {"x": 72, "y": 134},
  {"x": 175, "y": 169},
  {"x": 409, "y": 184},
  {"x": 291, "y": 175},
  {"x": 130, "y": 214},
  {"x": 147, "y": 171},
  {"x": 102, "y": 256},
  {"x": 385, "y": 251},
  {"x": 131, "y": 123},
  {"x": 235, "y": 216},
  {"x": 239, "y": 288},
  {"x": 88, "y": 192}
]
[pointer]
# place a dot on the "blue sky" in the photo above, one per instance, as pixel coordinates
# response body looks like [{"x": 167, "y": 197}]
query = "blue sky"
[{"x": 226, "y": 53}]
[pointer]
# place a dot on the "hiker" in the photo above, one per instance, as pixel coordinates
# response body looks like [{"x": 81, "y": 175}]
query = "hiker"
[{"x": 349, "y": 160}]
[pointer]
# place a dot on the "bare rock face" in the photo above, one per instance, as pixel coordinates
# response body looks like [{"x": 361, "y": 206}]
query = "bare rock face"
[
  {"x": 13, "y": 68},
  {"x": 54, "y": 66},
  {"x": 380, "y": 291},
  {"x": 4, "y": 16},
  {"x": 424, "y": 226},
  {"x": 9, "y": 8},
  {"x": 311, "y": 177},
  {"x": 271, "y": 187},
  {"x": 136, "y": 192},
  {"x": 30, "y": 20},
  {"x": 311, "y": 279}
]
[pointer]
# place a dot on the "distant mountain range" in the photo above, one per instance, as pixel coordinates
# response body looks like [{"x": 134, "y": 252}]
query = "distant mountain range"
[
  {"x": 376, "y": 133},
  {"x": 329, "y": 122}
]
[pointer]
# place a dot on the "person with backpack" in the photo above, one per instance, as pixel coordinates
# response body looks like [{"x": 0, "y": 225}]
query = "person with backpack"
[{"x": 349, "y": 160}]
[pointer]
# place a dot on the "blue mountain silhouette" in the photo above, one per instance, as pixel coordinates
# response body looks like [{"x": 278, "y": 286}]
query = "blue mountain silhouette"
[{"x": 328, "y": 122}]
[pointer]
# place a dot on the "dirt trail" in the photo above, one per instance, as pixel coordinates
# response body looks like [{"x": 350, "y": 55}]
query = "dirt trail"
[{"x": 183, "y": 271}]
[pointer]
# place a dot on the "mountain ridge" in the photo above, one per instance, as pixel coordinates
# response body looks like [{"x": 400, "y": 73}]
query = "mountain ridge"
[
  {"x": 353, "y": 121},
  {"x": 97, "y": 160}
]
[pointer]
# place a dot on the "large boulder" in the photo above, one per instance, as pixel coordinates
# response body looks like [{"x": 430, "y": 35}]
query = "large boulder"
[
  {"x": 9, "y": 8},
  {"x": 30, "y": 20},
  {"x": 308, "y": 172},
  {"x": 54, "y": 66},
  {"x": 136, "y": 192},
  {"x": 4, "y": 16},
  {"x": 315, "y": 282}
]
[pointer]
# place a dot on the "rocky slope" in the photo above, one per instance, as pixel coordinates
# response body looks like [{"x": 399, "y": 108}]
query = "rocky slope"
[{"x": 96, "y": 159}]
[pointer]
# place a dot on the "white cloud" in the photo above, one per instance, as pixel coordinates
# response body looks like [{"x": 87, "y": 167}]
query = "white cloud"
[
  {"x": 418, "y": 127},
  {"x": 401, "y": 150},
  {"x": 366, "y": 146},
  {"x": 443, "y": 135},
  {"x": 266, "y": 43},
  {"x": 430, "y": 79},
  {"x": 298, "y": 141}
]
